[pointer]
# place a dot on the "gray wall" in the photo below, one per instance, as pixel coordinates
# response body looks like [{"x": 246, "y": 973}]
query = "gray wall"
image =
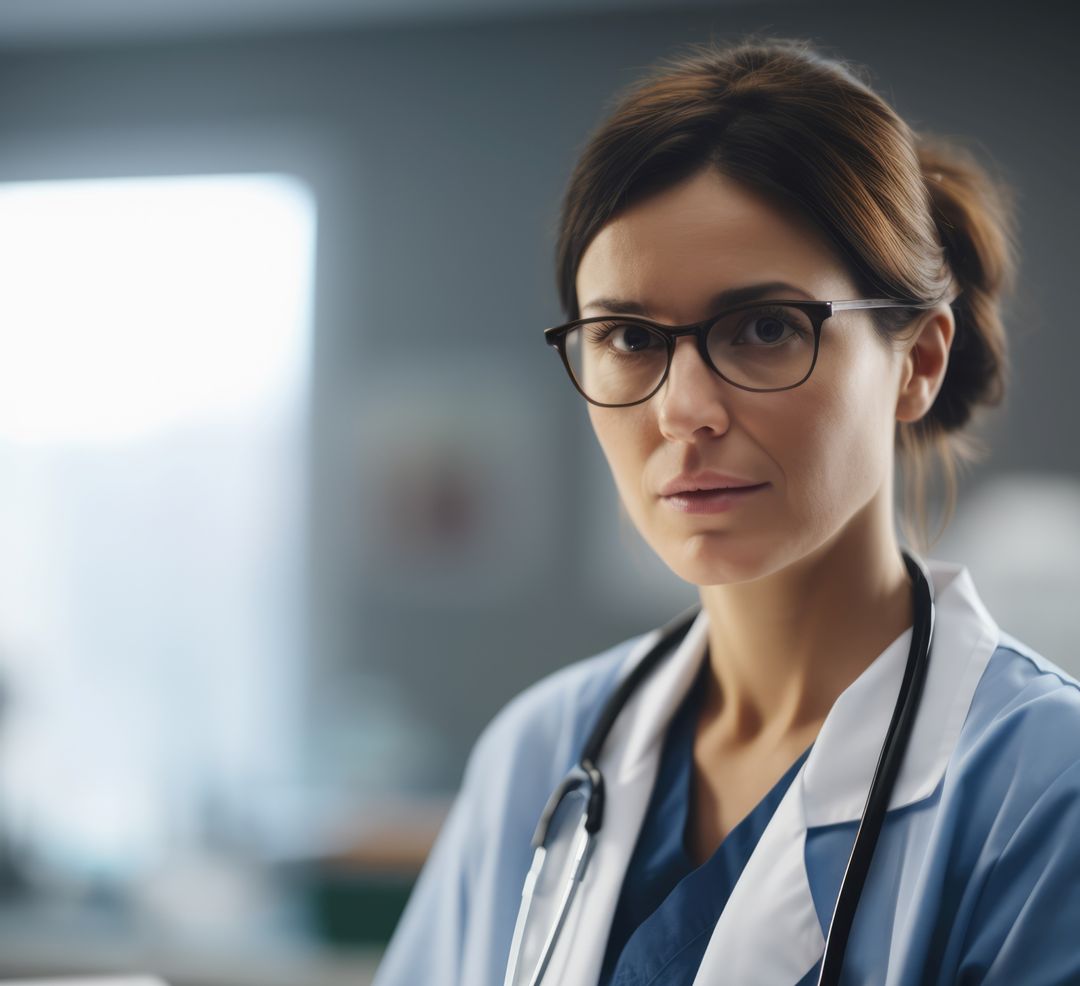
[{"x": 438, "y": 154}]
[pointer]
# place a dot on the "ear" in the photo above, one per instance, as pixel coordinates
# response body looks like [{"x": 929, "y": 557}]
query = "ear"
[{"x": 925, "y": 359}]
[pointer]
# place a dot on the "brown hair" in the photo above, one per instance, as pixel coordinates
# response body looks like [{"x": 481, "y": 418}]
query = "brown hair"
[{"x": 914, "y": 217}]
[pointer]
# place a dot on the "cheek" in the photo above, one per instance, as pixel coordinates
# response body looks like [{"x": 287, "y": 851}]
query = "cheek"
[
  {"x": 840, "y": 451},
  {"x": 622, "y": 435}
]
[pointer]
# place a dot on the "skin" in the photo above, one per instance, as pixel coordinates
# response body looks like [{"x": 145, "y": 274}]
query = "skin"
[{"x": 803, "y": 582}]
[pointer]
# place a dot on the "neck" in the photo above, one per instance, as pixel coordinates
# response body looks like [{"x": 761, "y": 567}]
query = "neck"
[{"x": 784, "y": 646}]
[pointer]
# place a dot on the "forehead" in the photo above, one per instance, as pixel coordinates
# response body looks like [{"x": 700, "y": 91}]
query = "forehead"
[{"x": 674, "y": 250}]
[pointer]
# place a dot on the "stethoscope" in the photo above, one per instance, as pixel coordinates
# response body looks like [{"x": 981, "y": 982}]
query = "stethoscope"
[{"x": 576, "y": 807}]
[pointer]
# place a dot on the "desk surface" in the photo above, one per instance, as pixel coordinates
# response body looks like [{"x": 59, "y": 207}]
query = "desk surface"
[{"x": 36, "y": 942}]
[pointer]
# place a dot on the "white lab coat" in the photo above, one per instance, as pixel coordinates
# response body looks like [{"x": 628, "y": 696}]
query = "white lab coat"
[{"x": 975, "y": 879}]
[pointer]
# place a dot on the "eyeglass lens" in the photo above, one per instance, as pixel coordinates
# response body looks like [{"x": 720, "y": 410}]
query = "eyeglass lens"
[{"x": 616, "y": 361}]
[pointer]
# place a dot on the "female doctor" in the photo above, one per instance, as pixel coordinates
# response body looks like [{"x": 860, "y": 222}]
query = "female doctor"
[{"x": 838, "y": 768}]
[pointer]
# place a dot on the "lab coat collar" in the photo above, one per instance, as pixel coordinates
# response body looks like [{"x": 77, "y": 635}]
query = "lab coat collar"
[
  {"x": 838, "y": 771},
  {"x": 769, "y": 933}
]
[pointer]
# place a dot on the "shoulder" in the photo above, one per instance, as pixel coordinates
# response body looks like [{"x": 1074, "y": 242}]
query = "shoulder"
[
  {"x": 541, "y": 729},
  {"x": 1027, "y": 704},
  {"x": 1025, "y": 663},
  {"x": 1015, "y": 770},
  {"x": 459, "y": 921},
  {"x": 519, "y": 758},
  {"x": 1019, "y": 760}
]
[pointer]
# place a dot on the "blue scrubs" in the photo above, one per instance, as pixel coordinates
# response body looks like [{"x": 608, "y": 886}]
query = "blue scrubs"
[
  {"x": 667, "y": 907},
  {"x": 976, "y": 875}
]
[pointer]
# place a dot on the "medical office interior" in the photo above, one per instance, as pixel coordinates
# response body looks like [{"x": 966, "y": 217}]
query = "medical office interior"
[{"x": 292, "y": 495}]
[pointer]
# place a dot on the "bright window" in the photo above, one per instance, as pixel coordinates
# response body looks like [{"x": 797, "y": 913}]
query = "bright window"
[{"x": 154, "y": 359}]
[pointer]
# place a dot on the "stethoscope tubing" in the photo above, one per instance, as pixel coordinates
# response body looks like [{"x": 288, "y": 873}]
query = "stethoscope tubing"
[
  {"x": 888, "y": 767},
  {"x": 587, "y": 774}
]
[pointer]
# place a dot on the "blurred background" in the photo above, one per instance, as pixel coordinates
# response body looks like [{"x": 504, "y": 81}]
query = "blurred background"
[{"x": 292, "y": 495}]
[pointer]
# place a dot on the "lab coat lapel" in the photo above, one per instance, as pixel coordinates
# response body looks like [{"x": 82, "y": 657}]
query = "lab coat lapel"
[
  {"x": 768, "y": 933},
  {"x": 629, "y": 762}
]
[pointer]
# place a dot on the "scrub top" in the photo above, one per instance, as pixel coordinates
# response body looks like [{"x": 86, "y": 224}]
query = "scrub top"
[
  {"x": 668, "y": 907},
  {"x": 976, "y": 876}
]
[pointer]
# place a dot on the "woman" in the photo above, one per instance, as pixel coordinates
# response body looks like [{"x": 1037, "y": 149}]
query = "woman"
[{"x": 730, "y": 195}]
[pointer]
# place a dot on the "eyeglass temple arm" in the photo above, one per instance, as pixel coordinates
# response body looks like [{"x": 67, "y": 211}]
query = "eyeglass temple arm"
[{"x": 839, "y": 306}]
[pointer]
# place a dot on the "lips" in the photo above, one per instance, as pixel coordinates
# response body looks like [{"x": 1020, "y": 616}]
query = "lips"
[
  {"x": 714, "y": 501},
  {"x": 706, "y": 481},
  {"x": 720, "y": 489}
]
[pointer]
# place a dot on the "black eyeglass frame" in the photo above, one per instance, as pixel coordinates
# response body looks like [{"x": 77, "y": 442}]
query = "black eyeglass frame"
[{"x": 817, "y": 311}]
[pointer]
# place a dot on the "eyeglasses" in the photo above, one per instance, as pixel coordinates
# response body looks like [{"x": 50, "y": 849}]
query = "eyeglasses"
[{"x": 622, "y": 360}]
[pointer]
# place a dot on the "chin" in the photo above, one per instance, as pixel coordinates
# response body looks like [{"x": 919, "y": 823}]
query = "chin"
[{"x": 717, "y": 557}]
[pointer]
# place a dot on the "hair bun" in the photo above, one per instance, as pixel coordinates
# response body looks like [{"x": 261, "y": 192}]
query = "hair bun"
[
  {"x": 974, "y": 216},
  {"x": 911, "y": 216}
]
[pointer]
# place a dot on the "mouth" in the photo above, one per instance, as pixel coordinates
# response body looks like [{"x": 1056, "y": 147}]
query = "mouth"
[
  {"x": 714, "y": 500},
  {"x": 717, "y": 489},
  {"x": 721, "y": 489}
]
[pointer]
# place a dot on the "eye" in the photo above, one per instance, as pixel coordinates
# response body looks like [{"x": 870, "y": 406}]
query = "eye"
[
  {"x": 770, "y": 329},
  {"x": 771, "y": 326},
  {"x": 623, "y": 338}
]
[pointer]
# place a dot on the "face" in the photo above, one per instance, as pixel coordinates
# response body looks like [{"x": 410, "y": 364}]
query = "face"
[{"x": 824, "y": 448}]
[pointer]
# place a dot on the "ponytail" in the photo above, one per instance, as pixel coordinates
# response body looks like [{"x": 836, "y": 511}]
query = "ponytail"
[
  {"x": 974, "y": 217},
  {"x": 913, "y": 217}
]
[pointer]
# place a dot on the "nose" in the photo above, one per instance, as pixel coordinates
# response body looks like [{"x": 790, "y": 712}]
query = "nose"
[{"x": 693, "y": 399}]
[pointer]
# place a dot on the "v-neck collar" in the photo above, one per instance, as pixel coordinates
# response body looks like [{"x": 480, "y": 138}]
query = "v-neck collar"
[
  {"x": 668, "y": 903},
  {"x": 769, "y": 933},
  {"x": 677, "y": 763}
]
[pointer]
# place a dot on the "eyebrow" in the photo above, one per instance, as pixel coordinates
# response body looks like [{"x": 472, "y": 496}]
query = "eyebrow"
[{"x": 732, "y": 296}]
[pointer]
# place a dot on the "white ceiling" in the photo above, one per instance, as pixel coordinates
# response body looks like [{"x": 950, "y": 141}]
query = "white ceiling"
[{"x": 32, "y": 23}]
